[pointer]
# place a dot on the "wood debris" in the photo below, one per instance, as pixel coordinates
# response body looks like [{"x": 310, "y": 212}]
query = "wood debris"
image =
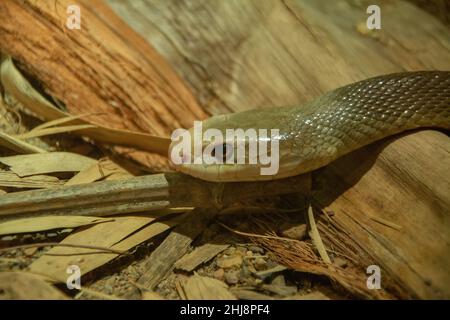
[
  {"x": 163, "y": 259},
  {"x": 200, "y": 255}
]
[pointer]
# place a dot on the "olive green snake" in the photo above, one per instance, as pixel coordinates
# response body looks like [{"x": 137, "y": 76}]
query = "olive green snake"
[{"x": 336, "y": 123}]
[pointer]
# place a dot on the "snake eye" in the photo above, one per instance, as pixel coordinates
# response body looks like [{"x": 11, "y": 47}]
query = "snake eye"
[{"x": 222, "y": 152}]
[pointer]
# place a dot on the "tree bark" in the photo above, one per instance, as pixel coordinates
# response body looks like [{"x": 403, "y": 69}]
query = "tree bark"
[{"x": 104, "y": 67}]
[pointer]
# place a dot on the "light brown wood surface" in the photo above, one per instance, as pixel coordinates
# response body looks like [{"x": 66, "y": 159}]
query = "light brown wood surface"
[
  {"x": 247, "y": 54},
  {"x": 393, "y": 199}
]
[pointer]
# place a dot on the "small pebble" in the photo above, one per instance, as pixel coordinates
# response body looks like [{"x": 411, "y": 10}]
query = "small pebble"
[
  {"x": 339, "y": 262},
  {"x": 230, "y": 251},
  {"x": 30, "y": 251},
  {"x": 229, "y": 262},
  {"x": 260, "y": 264},
  {"x": 256, "y": 249},
  {"x": 278, "y": 280},
  {"x": 294, "y": 231},
  {"x": 232, "y": 277},
  {"x": 219, "y": 274},
  {"x": 110, "y": 281},
  {"x": 8, "y": 238},
  {"x": 108, "y": 289},
  {"x": 245, "y": 272},
  {"x": 251, "y": 268},
  {"x": 242, "y": 250},
  {"x": 280, "y": 290}
]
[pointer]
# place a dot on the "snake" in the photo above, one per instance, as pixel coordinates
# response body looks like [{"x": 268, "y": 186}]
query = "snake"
[{"x": 336, "y": 123}]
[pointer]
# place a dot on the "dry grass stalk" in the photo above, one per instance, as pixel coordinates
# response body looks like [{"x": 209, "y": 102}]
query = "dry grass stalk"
[{"x": 301, "y": 256}]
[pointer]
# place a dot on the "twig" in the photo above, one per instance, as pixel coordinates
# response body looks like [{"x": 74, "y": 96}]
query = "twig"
[
  {"x": 255, "y": 235},
  {"x": 11, "y": 260},
  {"x": 315, "y": 236},
  {"x": 180, "y": 290},
  {"x": 96, "y": 294},
  {"x": 386, "y": 223}
]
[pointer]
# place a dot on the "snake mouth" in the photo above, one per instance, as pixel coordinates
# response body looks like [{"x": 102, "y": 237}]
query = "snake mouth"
[
  {"x": 224, "y": 173},
  {"x": 288, "y": 166}
]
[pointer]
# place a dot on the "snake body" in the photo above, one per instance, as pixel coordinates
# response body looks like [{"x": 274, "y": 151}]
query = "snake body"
[{"x": 336, "y": 123}]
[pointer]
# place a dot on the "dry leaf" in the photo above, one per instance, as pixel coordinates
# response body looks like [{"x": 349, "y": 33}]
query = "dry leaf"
[
  {"x": 47, "y": 223},
  {"x": 41, "y": 163},
  {"x": 148, "y": 232},
  {"x": 19, "y": 87},
  {"x": 100, "y": 170},
  {"x": 17, "y": 145},
  {"x": 115, "y": 234},
  {"x": 49, "y": 131},
  {"x": 200, "y": 255},
  {"x": 10, "y": 179},
  {"x": 59, "y": 121}
]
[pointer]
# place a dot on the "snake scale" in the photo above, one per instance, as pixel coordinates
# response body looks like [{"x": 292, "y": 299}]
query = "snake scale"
[{"x": 336, "y": 123}]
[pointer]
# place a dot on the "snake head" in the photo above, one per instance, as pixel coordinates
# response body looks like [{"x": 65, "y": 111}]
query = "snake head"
[{"x": 227, "y": 148}]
